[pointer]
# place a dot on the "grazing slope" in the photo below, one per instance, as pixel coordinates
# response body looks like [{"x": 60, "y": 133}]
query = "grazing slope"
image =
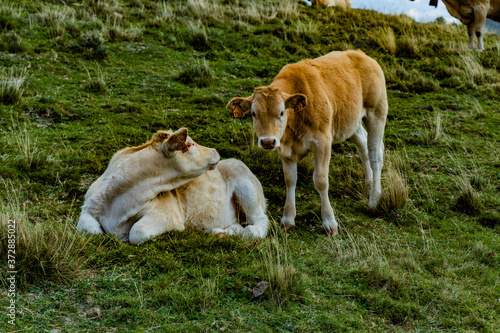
[{"x": 84, "y": 79}]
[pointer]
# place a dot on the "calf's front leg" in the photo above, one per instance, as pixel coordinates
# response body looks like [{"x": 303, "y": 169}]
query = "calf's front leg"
[
  {"x": 290, "y": 172},
  {"x": 162, "y": 214},
  {"x": 152, "y": 225},
  {"x": 320, "y": 178},
  {"x": 87, "y": 223}
]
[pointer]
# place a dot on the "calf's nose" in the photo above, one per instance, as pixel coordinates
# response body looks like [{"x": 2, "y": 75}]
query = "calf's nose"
[{"x": 268, "y": 143}]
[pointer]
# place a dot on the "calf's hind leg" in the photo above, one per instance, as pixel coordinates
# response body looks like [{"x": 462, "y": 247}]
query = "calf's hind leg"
[
  {"x": 250, "y": 196},
  {"x": 250, "y": 199},
  {"x": 375, "y": 126},
  {"x": 360, "y": 138}
]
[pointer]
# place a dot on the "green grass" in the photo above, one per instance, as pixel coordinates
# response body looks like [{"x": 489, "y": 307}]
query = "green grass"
[{"x": 95, "y": 77}]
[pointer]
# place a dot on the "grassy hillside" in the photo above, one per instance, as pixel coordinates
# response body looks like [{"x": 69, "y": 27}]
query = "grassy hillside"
[{"x": 83, "y": 79}]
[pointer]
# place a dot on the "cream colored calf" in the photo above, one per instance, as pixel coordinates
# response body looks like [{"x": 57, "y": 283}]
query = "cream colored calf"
[
  {"x": 312, "y": 104},
  {"x": 328, "y": 3},
  {"x": 172, "y": 183}
]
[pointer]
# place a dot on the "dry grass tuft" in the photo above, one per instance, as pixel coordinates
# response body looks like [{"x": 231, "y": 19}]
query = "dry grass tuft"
[
  {"x": 287, "y": 10},
  {"x": 473, "y": 104},
  {"x": 348, "y": 249},
  {"x": 10, "y": 42},
  {"x": 26, "y": 146},
  {"x": 9, "y": 15},
  {"x": 300, "y": 28},
  {"x": 395, "y": 189},
  {"x": 197, "y": 35},
  {"x": 198, "y": 73},
  {"x": 97, "y": 83},
  {"x": 409, "y": 43},
  {"x": 49, "y": 251},
  {"x": 285, "y": 281},
  {"x": 433, "y": 133},
  {"x": 11, "y": 84},
  {"x": 164, "y": 13},
  {"x": 56, "y": 17},
  {"x": 204, "y": 9},
  {"x": 468, "y": 200},
  {"x": 257, "y": 13},
  {"x": 386, "y": 39},
  {"x": 471, "y": 69},
  {"x": 208, "y": 293},
  {"x": 408, "y": 79},
  {"x": 107, "y": 8},
  {"x": 117, "y": 33}
]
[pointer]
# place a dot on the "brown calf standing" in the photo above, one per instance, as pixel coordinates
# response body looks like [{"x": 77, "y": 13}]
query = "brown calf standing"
[{"x": 312, "y": 104}]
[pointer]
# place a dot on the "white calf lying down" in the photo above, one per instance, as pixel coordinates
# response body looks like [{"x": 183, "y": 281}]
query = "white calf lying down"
[{"x": 165, "y": 185}]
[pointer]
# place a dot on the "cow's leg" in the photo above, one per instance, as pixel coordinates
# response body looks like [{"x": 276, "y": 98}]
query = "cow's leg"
[
  {"x": 480, "y": 14},
  {"x": 471, "y": 31},
  {"x": 248, "y": 192},
  {"x": 320, "y": 178},
  {"x": 360, "y": 138},
  {"x": 154, "y": 224},
  {"x": 375, "y": 126},
  {"x": 290, "y": 172},
  {"x": 234, "y": 229},
  {"x": 88, "y": 224}
]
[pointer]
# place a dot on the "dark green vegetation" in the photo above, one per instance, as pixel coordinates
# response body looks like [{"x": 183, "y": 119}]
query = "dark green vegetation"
[{"x": 83, "y": 80}]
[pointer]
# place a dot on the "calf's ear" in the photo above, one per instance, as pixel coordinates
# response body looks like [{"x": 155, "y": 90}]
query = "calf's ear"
[
  {"x": 296, "y": 102},
  {"x": 240, "y": 106},
  {"x": 177, "y": 141},
  {"x": 160, "y": 136}
]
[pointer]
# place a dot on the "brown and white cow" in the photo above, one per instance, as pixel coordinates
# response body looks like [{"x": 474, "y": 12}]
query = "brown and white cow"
[
  {"x": 328, "y": 3},
  {"x": 166, "y": 184},
  {"x": 312, "y": 104},
  {"x": 473, "y": 14}
]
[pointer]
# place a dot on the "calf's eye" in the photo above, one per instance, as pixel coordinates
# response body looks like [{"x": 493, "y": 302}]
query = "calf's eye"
[
  {"x": 253, "y": 114},
  {"x": 282, "y": 113}
]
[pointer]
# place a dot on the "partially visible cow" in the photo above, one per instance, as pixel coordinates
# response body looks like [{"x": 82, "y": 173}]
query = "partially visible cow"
[
  {"x": 473, "y": 14},
  {"x": 312, "y": 104},
  {"x": 327, "y": 3},
  {"x": 165, "y": 185}
]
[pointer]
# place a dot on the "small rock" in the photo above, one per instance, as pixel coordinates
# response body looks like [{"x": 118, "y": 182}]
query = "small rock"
[{"x": 260, "y": 288}]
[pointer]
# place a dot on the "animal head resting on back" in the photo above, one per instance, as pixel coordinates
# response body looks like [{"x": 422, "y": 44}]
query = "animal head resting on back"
[{"x": 168, "y": 159}]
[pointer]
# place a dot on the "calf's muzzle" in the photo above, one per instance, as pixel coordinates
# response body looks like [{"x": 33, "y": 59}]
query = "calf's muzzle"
[{"x": 268, "y": 143}]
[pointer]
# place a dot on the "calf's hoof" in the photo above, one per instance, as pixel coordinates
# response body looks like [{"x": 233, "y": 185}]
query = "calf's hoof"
[
  {"x": 330, "y": 226},
  {"x": 286, "y": 227},
  {"x": 331, "y": 231},
  {"x": 374, "y": 201},
  {"x": 287, "y": 223},
  {"x": 252, "y": 231}
]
